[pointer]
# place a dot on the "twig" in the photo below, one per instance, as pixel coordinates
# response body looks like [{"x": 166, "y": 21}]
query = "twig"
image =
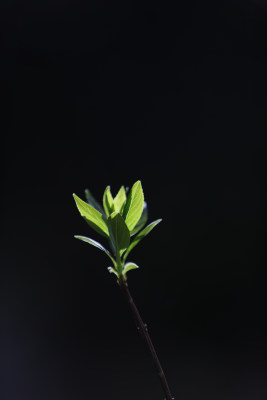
[{"x": 143, "y": 329}]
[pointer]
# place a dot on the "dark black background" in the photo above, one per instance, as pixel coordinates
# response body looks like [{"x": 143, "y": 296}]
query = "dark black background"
[{"x": 104, "y": 93}]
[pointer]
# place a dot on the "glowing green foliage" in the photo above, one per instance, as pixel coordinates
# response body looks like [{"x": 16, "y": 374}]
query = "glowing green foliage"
[{"x": 123, "y": 217}]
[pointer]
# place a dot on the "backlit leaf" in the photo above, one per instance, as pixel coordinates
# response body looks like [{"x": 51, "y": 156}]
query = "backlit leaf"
[
  {"x": 113, "y": 271},
  {"x": 119, "y": 233},
  {"x": 142, "y": 221},
  {"x": 134, "y": 206},
  {"x": 108, "y": 202},
  {"x": 96, "y": 244},
  {"x": 120, "y": 200},
  {"x": 93, "y": 217},
  {"x": 140, "y": 236},
  {"x": 128, "y": 266},
  {"x": 92, "y": 201}
]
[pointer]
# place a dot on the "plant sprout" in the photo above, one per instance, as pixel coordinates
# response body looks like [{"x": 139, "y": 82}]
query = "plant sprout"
[{"x": 122, "y": 221}]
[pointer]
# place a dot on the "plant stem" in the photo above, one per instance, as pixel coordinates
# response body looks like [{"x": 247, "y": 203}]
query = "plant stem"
[{"x": 143, "y": 329}]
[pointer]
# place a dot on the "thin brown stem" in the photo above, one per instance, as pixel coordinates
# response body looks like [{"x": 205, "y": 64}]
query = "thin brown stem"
[{"x": 143, "y": 329}]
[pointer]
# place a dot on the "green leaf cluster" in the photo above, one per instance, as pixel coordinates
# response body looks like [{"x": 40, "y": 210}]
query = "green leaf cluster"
[{"x": 121, "y": 220}]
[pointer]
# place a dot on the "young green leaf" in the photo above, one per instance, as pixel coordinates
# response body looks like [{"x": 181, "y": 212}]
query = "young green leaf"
[
  {"x": 142, "y": 221},
  {"x": 134, "y": 206},
  {"x": 128, "y": 266},
  {"x": 119, "y": 233},
  {"x": 93, "y": 217},
  {"x": 96, "y": 244},
  {"x": 120, "y": 200},
  {"x": 108, "y": 202},
  {"x": 113, "y": 271},
  {"x": 92, "y": 201},
  {"x": 140, "y": 236}
]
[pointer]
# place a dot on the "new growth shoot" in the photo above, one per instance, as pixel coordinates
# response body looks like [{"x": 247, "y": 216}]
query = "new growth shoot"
[{"x": 121, "y": 220}]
